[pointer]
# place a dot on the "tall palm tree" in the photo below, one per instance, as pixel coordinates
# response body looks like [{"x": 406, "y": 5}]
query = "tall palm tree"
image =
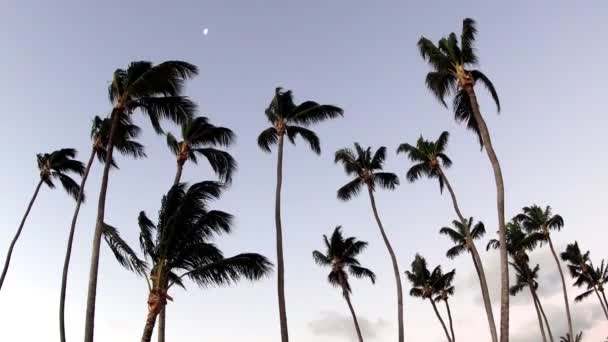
[
  {"x": 179, "y": 247},
  {"x": 52, "y": 166},
  {"x": 527, "y": 277},
  {"x": 366, "y": 168},
  {"x": 534, "y": 219},
  {"x": 518, "y": 242},
  {"x": 100, "y": 132},
  {"x": 430, "y": 159},
  {"x": 198, "y": 138},
  {"x": 155, "y": 90},
  {"x": 453, "y": 73},
  {"x": 341, "y": 255},
  {"x": 289, "y": 119},
  {"x": 444, "y": 289},
  {"x": 424, "y": 285},
  {"x": 582, "y": 270}
]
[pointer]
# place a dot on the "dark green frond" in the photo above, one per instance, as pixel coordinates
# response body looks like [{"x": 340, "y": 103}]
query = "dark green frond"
[
  {"x": 221, "y": 162},
  {"x": 441, "y": 84},
  {"x": 309, "y": 136},
  {"x": 124, "y": 254},
  {"x": 310, "y": 112},
  {"x": 386, "y": 180},
  {"x": 175, "y": 108},
  {"x": 469, "y": 30},
  {"x": 378, "y": 158},
  {"x": 267, "y": 138},
  {"x": 230, "y": 270},
  {"x": 350, "y": 189},
  {"x": 463, "y": 112},
  {"x": 479, "y": 76},
  {"x": 70, "y": 186},
  {"x": 172, "y": 143},
  {"x": 146, "y": 229},
  {"x": 320, "y": 258},
  {"x": 362, "y": 272}
]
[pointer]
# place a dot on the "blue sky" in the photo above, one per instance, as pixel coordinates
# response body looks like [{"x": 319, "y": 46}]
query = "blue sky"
[{"x": 545, "y": 58}]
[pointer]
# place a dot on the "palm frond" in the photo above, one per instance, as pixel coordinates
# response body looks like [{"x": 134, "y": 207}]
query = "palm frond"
[
  {"x": 350, "y": 189},
  {"x": 386, "y": 180},
  {"x": 221, "y": 162},
  {"x": 124, "y": 254},
  {"x": 362, "y": 272},
  {"x": 479, "y": 76},
  {"x": 309, "y": 136},
  {"x": 310, "y": 112},
  {"x": 230, "y": 270},
  {"x": 267, "y": 138}
]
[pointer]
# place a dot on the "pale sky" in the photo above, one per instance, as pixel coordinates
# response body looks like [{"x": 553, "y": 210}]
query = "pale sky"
[{"x": 546, "y": 59}]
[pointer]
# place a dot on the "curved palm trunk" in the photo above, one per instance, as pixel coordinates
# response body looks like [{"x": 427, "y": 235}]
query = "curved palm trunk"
[
  {"x": 597, "y": 293},
  {"x": 101, "y": 207},
  {"x": 447, "y": 306},
  {"x": 279, "y": 237},
  {"x": 604, "y": 296},
  {"x": 485, "y": 293},
  {"x": 178, "y": 173},
  {"x": 395, "y": 265},
  {"x": 149, "y": 326},
  {"x": 445, "y": 329},
  {"x": 352, "y": 312},
  {"x": 538, "y": 315},
  {"x": 68, "y": 252},
  {"x": 542, "y": 312},
  {"x": 564, "y": 288},
  {"x": 10, "y": 248},
  {"x": 500, "y": 206}
]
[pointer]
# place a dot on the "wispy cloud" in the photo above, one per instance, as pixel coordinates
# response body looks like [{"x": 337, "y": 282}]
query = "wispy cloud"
[{"x": 332, "y": 324}]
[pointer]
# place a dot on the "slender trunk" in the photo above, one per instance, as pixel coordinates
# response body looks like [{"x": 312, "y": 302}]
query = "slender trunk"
[
  {"x": 178, "y": 173},
  {"x": 279, "y": 232},
  {"x": 564, "y": 288},
  {"x": 538, "y": 315},
  {"x": 10, "y": 249},
  {"x": 485, "y": 293},
  {"x": 447, "y": 306},
  {"x": 500, "y": 206},
  {"x": 89, "y": 327},
  {"x": 542, "y": 312},
  {"x": 68, "y": 252},
  {"x": 395, "y": 265},
  {"x": 604, "y": 296},
  {"x": 601, "y": 302},
  {"x": 352, "y": 312},
  {"x": 149, "y": 327},
  {"x": 445, "y": 329}
]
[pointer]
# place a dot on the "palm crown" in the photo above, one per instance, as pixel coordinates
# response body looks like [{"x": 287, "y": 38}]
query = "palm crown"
[
  {"x": 126, "y": 131},
  {"x": 578, "y": 263},
  {"x": 453, "y": 71},
  {"x": 364, "y": 166},
  {"x": 197, "y": 137},
  {"x": 153, "y": 89},
  {"x": 429, "y": 157},
  {"x": 57, "y": 165},
  {"x": 288, "y": 118},
  {"x": 535, "y": 219},
  {"x": 443, "y": 286},
  {"x": 462, "y": 235},
  {"x": 341, "y": 255},
  {"x": 525, "y": 277},
  {"x": 424, "y": 282},
  {"x": 518, "y": 242}
]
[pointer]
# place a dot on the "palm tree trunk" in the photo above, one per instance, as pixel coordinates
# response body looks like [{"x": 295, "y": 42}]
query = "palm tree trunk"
[
  {"x": 10, "y": 249},
  {"x": 89, "y": 327},
  {"x": 279, "y": 237},
  {"x": 445, "y": 329},
  {"x": 178, "y": 174},
  {"x": 485, "y": 293},
  {"x": 542, "y": 312},
  {"x": 447, "y": 306},
  {"x": 149, "y": 327},
  {"x": 538, "y": 315},
  {"x": 395, "y": 265},
  {"x": 68, "y": 252},
  {"x": 604, "y": 296},
  {"x": 601, "y": 302},
  {"x": 352, "y": 312},
  {"x": 564, "y": 288},
  {"x": 500, "y": 206}
]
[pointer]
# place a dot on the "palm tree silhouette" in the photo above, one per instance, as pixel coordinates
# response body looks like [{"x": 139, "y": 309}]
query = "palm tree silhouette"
[
  {"x": 341, "y": 255},
  {"x": 444, "y": 289},
  {"x": 289, "y": 119}
]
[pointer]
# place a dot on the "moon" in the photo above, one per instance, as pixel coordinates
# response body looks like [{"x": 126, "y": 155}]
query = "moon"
[{"x": 205, "y": 31}]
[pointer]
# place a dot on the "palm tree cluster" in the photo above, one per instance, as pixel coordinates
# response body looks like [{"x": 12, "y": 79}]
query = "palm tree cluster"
[{"x": 179, "y": 245}]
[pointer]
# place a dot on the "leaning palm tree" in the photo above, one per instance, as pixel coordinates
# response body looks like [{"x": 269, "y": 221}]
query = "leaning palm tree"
[
  {"x": 534, "y": 219},
  {"x": 55, "y": 165},
  {"x": 424, "y": 285},
  {"x": 453, "y": 74},
  {"x": 341, "y": 255},
  {"x": 464, "y": 234},
  {"x": 366, "y": 168},
  {"x": 289, "y": 119},
  {"x": 199, "y": 138},
  {"x": 444, "y": 289},
  {"x": 124, "y": 144},
  {"x": 430, "y": 160},
  {"x": 527, "y": 277},
  {"x": 179, "y": 248},
  {"x": 155, "y": 90}
]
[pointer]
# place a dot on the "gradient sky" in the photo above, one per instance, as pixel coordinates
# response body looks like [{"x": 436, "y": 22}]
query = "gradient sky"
[{"x": 546, "y": 58}]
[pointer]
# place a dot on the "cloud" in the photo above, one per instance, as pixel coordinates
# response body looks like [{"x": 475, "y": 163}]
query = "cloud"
[{"x": 332, "y": 324}]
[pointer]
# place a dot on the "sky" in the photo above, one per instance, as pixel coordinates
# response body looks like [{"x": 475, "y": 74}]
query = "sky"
[{"x": 544, "y": 57}]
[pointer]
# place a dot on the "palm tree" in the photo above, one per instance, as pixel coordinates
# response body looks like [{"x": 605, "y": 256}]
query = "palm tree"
[
  {"x": 365, "y": 166},
  {"x": 582, "y": 270},
  {"x": 452, "y": 73},
  {"x": 52, "y": 166},
  {"x": 424, "y": 285},
  {"x": 289, "y": 119},
  {"x": 536, "y": 220},
  {"x": 527, "y": 277},
  {"x": 444, "y": 289},
  {"x": 178, "y": 247},
  {"x": 341, "y": 254},
  {"x": 430, "y": 160},
  {"x": 198, "y": 135},
  {"x": 155, "y": 90},
  {"x": 125, "y": 145},
  {"x": 518, "y": 242}
]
